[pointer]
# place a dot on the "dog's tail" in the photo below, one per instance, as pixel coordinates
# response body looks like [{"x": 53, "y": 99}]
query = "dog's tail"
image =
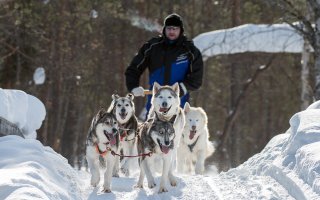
[{"x": 210, "y": 148}]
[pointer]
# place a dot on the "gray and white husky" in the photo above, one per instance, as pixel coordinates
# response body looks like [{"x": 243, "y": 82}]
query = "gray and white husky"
[
  {"x": 156, "y": 138},
  {"x": 103, "y": 138},
  {"x": 165, "y": 102},
  {"x": 124, "y": 110},
  {"x": 194, "y": 146}
]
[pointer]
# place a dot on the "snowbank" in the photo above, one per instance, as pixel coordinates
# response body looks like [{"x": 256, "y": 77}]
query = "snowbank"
[
  {"x": 291, "y": 159},
  {"x": 250, "y": 38},
  {"x": 28, "y": 170},
  {"x": 24, "y": 110}
]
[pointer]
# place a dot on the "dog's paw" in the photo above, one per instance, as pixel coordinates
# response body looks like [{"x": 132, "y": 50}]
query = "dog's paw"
[
  {"x": 95, "y": 181},
  {"x": 151, "y": 184},
  {"x": 106, "y": 190},
  {"x": 139, "y": 185},
  {"x": 199, "y": 171},
  {"x": 116, "y": 175},
  {"x": 162, "y": 189},
  {"x": 173, "y": 182}
]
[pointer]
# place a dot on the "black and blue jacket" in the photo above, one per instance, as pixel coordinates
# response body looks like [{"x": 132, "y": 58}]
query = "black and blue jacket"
[{"x": 167, "y": 63}]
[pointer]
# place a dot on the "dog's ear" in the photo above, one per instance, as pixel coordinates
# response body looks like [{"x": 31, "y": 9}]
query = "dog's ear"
[
  {"x": 98, "y": 116},
  {"x": 115, "y": 96},
  {"x": 186, "y": 107},
  {"x": 156, "y": 117},
  {"x": 176, "y": 88},
  {"x": 113, "y": 103},
  {"x": 173, "y": 119},
  {"x": 101, "y": 113},
  {"x": 130, "y": 96},
  {"x": 155, "y": 88},
  {"x": 204, "y": 115}
]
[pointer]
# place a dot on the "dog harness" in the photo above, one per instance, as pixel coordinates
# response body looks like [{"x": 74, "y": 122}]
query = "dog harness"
[
  {"x": 191, "y": 146},
  {"x": 101, "y": 153},
  {"x": 123, "y": 135}
]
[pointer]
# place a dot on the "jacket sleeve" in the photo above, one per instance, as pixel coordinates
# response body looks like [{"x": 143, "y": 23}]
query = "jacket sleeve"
[
  {"x": 137, "y": 66},
  {"x": 193, "y": 80}
]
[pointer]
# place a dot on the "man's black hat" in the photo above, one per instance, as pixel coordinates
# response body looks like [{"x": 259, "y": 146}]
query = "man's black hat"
[{"x": 174, "y": 20}]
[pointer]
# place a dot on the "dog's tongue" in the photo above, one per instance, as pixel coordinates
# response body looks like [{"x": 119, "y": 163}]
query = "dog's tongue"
[
  {"x": 113, "y": 139},
  {"x": 163, "y": 109},
  {"x": 165, "y": 149},
  {"x": 123, "y": 115},
  {"x": 192, "y": 133}
]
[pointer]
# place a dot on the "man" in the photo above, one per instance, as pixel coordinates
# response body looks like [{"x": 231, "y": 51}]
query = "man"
[{"x": 170, "y": 58}]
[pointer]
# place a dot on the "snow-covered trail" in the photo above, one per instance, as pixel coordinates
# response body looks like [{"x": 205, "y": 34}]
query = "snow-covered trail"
[
  {"x": 29, "y": 170},
  {"x": 189, "y": 187},
  {"x": 216, "y": 187},
  {"x": 237, "y": 186}
]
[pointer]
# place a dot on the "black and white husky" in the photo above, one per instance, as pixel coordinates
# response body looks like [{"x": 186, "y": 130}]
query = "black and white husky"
[
  {"x": 156, "y": 138},
  {"x": 124, "y": 110},
  {"x": 165, "y": 102},
  {"x": 194, "y": 146},
  {"x": 103, "y": 138}
]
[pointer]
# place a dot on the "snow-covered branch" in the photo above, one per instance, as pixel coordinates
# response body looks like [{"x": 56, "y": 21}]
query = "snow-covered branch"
[{"x": 250, "y": 38}]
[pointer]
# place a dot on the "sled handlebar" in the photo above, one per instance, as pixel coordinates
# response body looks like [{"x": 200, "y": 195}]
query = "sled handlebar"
[{"x": 147, "y": 92}]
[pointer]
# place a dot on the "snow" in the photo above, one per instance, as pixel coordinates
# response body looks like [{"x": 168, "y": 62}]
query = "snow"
[
  {"x": 39, "y": 76},
  {"x": 94, "y": 14},
  {"x": 287, "y": 168},
  {"x": 24, "y": 110},
  {"x": 250, "y": 38}
]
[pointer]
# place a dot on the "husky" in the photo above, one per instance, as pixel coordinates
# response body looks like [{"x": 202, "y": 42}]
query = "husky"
[
  {"x": 124, "y": 110},
  {"x": 194, "y": 145},
  {"x": 102, "y": 141},
  {"x": 165, "y": 102},
  {"x": 156, "y": 138}
]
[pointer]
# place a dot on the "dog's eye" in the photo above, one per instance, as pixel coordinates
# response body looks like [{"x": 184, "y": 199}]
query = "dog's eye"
[
  {"x": 114, "y": 122},
  {"x": 161, "y": 132},
  {"x": 197, "y": 120},
  {"x": 127, "y": 105},
  {"x": 170, "y": 97},
  {"x": 160, "y": 97},
  {"x": 190, "y": 120},
  {"x": 118, "y": 105}
]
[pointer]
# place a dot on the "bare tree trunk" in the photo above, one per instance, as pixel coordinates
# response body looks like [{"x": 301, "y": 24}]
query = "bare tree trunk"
[
  {"x": 305, "y": 86},
  {"x": 306, "y": 92},
  {"x": 235, "y": 76},
  {"x": 316, "y": 46},
  {"x": 232, "y": 116},
  {"x": 18, "y": 46}
]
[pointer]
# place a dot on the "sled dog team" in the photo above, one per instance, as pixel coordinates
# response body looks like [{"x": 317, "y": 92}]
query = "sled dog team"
[{"x": 178, "y": 136}]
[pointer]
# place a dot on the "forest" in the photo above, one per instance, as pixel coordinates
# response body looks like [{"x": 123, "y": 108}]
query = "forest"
[{"x": 85, "y": 46}]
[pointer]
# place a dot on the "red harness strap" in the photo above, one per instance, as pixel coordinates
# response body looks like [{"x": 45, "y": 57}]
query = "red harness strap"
[
  {"x": 102, "y": 153},
  {"x": 123, "y": 135}
]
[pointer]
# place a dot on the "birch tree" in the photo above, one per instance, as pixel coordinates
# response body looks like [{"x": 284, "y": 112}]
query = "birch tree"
[{"x": 294, "y": 11}]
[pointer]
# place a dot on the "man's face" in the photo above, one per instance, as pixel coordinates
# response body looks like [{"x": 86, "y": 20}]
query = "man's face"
[{"x": 172, "y": 32}]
